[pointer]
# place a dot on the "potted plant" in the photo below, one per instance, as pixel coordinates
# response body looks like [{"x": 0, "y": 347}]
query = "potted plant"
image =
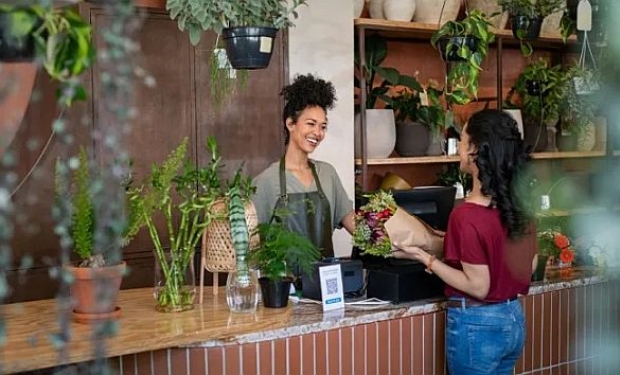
[
  {"x": 279, "y": 253},
  {"x": 17, "y": 25},
  {"x": 379, "y": 121},
  {"x": 419, "y": 115},
  {"x": 579, "y": 106},
  {"x": 541, "y": 91},
  {"x": 181, "y": 194},
  {"x": 247, "y": 27},
  {"x": 97, "y": 276},
  {"x": 527, "y": 17},
  {"x": 465, "y": 42},
  {"x": 59, "y": 36}
]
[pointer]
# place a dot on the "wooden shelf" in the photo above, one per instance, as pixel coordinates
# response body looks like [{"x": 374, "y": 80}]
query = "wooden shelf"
[
  {"x": 454, "y": 159},
  {"x": 568, "y": 154},
  {"x": 412, "y": 160},
  {"x": 425, "y": 30},
  {"x": 577, "y": 211}
]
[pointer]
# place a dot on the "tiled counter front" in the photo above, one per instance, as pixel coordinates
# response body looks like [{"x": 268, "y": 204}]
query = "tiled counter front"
[{"x": 568, "y": 327}]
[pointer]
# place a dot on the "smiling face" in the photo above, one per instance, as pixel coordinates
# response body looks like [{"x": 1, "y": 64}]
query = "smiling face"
[{"x": 309, "y": 129}]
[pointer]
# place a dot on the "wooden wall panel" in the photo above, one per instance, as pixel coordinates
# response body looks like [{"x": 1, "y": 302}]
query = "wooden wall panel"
[{"x": 178, "y": 106}]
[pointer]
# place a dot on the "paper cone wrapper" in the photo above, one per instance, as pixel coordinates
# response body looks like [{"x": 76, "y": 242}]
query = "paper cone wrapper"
[{"x": 409, "y": 230}]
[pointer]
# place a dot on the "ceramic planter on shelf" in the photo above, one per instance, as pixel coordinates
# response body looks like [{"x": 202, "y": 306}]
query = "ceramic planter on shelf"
[
  {"x": 430, "y": 11},
  {"x": 380, "y": 134},
  {"x": 450, "y": 45},
  {"x": 399, "y": 10},
  {"x": 489, "y": 7},
  {"x": 412, "y": 138},
  {"x": 17, "y": 46},
  {"x": 358, "y": 8},
  {"x": 375, "y": 9},
  {"x": 526, "y": 28}
]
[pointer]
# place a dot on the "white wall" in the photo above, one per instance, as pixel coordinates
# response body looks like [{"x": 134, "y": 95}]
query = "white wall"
[{"x": 321, "y": 43}]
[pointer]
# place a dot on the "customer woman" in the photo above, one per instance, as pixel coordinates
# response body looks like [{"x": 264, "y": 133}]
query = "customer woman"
[
  {"x": 489, "y": 251},
  {"x": 306, "y": 194}
]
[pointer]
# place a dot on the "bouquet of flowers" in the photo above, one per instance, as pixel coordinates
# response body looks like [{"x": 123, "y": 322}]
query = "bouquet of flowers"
[
  {"x": 555, "y": 245},
  {"x": 380, "y": 222},
  {"x": 370, "y": 234}
]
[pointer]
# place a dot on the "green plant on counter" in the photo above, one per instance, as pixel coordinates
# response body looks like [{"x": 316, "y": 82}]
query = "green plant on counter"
[
  {"x": 185, "y": 218},
  {"x": 281, "y": 251},
  {"x": 83, "y": 221},
  {"x": 63, "y": 41},
  {"x": 462, "y": 79}
]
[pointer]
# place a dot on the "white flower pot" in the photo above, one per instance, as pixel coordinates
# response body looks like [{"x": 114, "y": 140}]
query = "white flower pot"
[
  {"x": 489, "y": 7},
  {"x": 429, "y": 11},
  {"x": 380, "y": 134},
  {"x": 358, "y": 8},
  {"x": 399, "y": 10},
  {"x": 375, "y": 8}
]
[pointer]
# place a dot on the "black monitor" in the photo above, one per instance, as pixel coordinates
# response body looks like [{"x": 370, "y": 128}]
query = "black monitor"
[{"x": 433, "y": 204}]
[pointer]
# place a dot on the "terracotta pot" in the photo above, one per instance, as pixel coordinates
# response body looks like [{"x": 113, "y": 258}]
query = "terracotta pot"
[{"x": 95, "y": 290}]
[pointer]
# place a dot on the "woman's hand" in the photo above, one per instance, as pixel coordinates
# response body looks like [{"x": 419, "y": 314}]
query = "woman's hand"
[{"x": 410, "y": 252}]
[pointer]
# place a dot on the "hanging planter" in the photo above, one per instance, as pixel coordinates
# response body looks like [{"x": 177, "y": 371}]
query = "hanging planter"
[
  {"x": 249, "y": 47},
  {"x": 17, "y": 42},
  {"x": 526, "y": 28},
  {"x": 449, "y": 47}
]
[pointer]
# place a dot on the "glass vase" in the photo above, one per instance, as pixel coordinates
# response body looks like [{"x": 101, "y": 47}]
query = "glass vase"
[
  {"x": 242, "y": 291},
  {"x": 175, "y": 286}
]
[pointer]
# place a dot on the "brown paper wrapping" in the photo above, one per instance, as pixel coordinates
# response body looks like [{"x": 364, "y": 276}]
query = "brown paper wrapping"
[{"x": 409, "y": 230}]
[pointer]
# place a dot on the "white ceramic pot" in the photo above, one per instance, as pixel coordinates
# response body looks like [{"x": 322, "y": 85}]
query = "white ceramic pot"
[
  {"x": 375, "y": 8},
  {"x": 358, "y": 8},
  {"x": 516, "y": 114},
  {"x": 380, "y": 134},
  {"x": 551, "y": 24},
  {"x": 489, "y": 7},
  {"x": 399, "y": 10},
  {"x": 586, "y": 138},
  {"x": 429, "y": 11}
]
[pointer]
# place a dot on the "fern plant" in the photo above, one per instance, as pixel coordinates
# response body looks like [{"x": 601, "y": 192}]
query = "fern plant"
[
  {"x": 82, "y": 210},
  {"x": 282, "y": 251}
]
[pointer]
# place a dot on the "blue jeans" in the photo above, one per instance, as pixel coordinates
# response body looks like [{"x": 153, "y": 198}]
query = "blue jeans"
[{"x": 485, "y": 339}]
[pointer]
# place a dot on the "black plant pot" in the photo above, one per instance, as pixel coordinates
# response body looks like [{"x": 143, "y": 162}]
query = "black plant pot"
[
  {"x": 14, "y": 48},
  {"x": 526, "y": 28},
  {"x": 539, "y": 273},
  {"x": 534, "y": 88},
  {"x": 275, "y": 293},
  {"x": 449, "y": 47},
  {"x": 249, "y": 48}
]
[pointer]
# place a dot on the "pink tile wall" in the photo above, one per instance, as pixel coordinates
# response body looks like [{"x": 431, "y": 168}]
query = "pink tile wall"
[{"x": 565, "y": 338}]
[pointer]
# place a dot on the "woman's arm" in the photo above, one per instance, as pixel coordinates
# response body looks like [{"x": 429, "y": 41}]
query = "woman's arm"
[
  {"x": 349, "y": 222},
  {"x": 474, "y": 279}
]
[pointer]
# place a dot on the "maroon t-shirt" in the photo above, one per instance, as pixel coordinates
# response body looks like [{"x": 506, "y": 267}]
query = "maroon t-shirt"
[{"x": 476, "y": 235}]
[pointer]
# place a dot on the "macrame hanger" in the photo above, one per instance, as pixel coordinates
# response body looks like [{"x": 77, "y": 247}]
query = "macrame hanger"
[{"x": 584, "y": 23}]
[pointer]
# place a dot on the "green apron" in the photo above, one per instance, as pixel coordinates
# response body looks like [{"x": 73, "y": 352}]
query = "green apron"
[{"x": 307, "y": 213}]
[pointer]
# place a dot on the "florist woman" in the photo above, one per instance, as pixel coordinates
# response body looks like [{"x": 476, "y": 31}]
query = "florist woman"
[
  {"x": 489, "y": 251},
  {"x": 306, "y": 194}
]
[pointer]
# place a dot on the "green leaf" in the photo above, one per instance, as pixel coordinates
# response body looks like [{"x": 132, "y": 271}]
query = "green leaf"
[{"x": 195, "y": 33}]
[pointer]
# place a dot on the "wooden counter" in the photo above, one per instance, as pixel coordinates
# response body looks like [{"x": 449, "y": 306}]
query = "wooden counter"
[{"x": 210, "y": 325}]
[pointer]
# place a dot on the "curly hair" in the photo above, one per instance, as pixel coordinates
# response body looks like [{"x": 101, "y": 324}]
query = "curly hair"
[
  {"x": 306, "y": 91},
  {"x": 501, "y": 159}
]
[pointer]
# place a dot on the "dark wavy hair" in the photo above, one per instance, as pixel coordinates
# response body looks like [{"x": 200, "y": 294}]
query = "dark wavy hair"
[
  {"x": 502, "y": 160},
  {"x": 306, "y": 91}
]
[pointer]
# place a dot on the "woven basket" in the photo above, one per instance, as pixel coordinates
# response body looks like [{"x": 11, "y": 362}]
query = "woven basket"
[{"x": 217, "y": 247}]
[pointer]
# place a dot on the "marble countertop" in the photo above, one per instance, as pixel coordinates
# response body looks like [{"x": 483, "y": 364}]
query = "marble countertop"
[{"x": 32, "y": 325}]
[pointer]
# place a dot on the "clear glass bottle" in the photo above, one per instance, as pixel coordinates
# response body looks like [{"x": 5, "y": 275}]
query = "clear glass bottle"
[{"x": 242, "y": 291}]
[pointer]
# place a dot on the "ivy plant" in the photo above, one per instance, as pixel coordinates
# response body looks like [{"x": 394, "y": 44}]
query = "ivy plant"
[{"x": 462, "y": 79}]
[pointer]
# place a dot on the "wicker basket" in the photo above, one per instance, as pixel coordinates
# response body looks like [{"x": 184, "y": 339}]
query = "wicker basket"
[{"x": 217, "y": 247}]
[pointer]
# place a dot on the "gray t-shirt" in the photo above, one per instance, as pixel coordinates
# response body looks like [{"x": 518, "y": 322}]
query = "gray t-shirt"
[{"x": 268, "y": 190}]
